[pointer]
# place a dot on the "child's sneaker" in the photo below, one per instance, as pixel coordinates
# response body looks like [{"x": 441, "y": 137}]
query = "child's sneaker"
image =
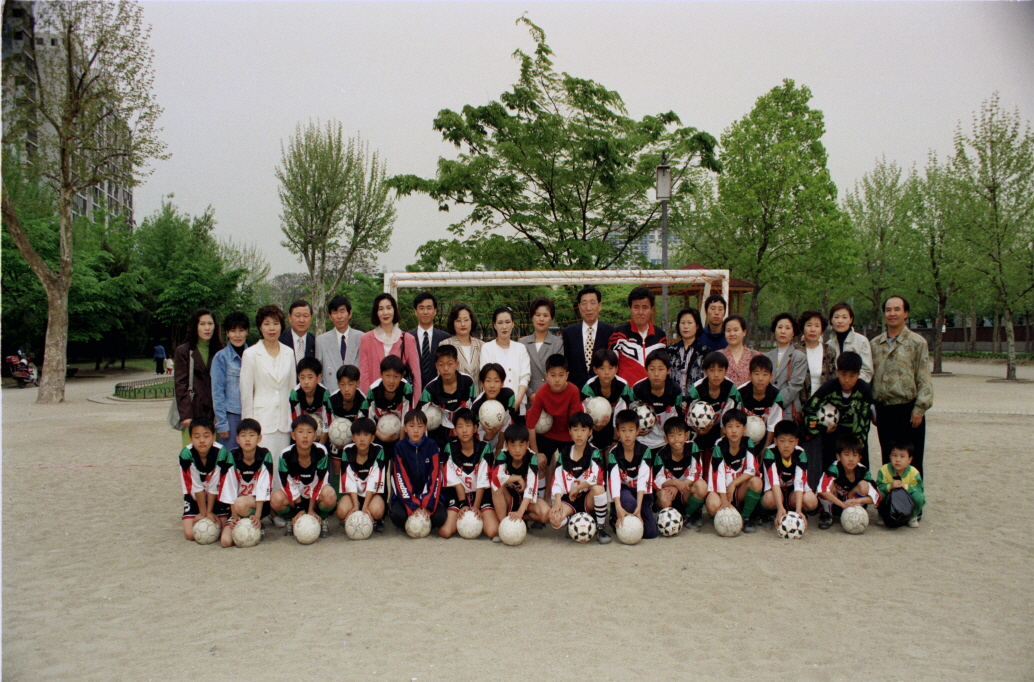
[
  {"x": 324, "y": 529},
  {"x": 288, "y": 528},
  {"x": 602, "y": 537},
  {"x": 378, "y": 526},
  {"x": 748, "y": 525},
  {"x": 537, "y": 525},
  {"x": 913, "y": 522},
  {"x": 696, "y": 520},
  {"x": 825, "y": 521},
  {"x": 497, "y": 539},
  {"x": 279, "y": 522}
]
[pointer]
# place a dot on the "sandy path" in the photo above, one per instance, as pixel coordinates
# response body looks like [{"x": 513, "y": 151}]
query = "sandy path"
[{"x": 101, "y": 586}]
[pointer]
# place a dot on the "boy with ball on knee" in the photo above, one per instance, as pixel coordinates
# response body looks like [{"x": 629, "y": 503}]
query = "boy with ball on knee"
[
  {"x": 467, "y": 461},
  {"x": 785, "y": 470},
  {"x": 246, "y": 478},
  {"x": 417, "y": 474},
  {"x": 630, "y": 475},
  {"x": 578, "y": 479},
  {"x": 734, "y": 480},
  {"x": 304, "y": 479},
  {"x": 677, "y": 478},
  {"x": 363, "y": 473},
  {"x": 200, "y": 477},
  {"x": 847, "y": 483},
  {"x": 514, "y": 479}
]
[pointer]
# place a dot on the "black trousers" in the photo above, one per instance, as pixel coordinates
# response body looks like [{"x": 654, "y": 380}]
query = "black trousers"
[
  {"x": 159, "y": 366},
  {"x": 894, "y": 423},
  {"x": 399, "y": 515}
]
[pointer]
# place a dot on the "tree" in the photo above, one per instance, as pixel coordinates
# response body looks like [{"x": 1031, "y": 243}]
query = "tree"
[
  {"x": 249, "y": 259},
  {"x": 993, "y": 168},
  {"x": 775, "y": 221},
  {"x": 558, "y": 162},
  {"x": 87, "y": 103},
  {"x": 337, "y": 213}
]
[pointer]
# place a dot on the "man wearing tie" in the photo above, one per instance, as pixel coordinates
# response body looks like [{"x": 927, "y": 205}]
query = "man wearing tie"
[
  {"x": 581, "y": 339},
  {"x": 298, "y": 337},
  {"x": 340, "y": 345},
  {"x": 427, "y": 335}
]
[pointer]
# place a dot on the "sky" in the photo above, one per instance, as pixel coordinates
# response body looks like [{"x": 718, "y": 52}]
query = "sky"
[{"x": 236, "y": 78}]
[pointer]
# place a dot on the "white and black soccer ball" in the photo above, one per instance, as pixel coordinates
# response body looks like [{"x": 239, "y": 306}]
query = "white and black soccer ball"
[
  {"x": 670, "y": 522},
  {"x": 630, "y": 530},
  {"x": 206, "y": 531},
  {"x": 307, "y": 529},
  {"x": 700, "y": 415},
  {"x": 646, "y": 416},
  {"x": 469, "y": 526},
  {"x": 389, "y": 424},
  {"x": 599, "y": 408},
  {"x": 791, "y": 526},
  {"x": 756, "y": 429},
  {"x": 245, "y": 534},
  {"x": 340, "y": 432},
  {"x": 491, "y": 414},
  {"x": 434, "y": 416},
  {"x": 358, "y": 525},
  {"x": 581, "y": 527},
  {"x": 418, "y": 526},
  {"x": 511, "y": 532},
  {"x": 545, "y": 422},
  {"x": 728, "y": 523},
  {"x": 854, "y": 520},
  {"x": 828, "y": 415}
]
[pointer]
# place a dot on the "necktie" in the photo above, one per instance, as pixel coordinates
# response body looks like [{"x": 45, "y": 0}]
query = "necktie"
[
  {"x": 590, "y": 338},
  {"x": 299, "y": 350},
  {"x": 425, "y": 355},
  {"x": 342, "y": 348}
]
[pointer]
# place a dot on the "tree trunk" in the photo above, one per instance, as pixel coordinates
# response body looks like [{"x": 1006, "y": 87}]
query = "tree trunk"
[
  {"x": 972, "y": 347},
  {"x": 1010, "y": 338},
  {"x": 996, "y": 321},
  {"x": 55, "y": 357},
  {"x": 938, "y": 341},
  {"x": 752, "y": 322}
]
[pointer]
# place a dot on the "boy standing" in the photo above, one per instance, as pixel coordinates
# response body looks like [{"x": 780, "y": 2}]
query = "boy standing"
[
  {"x": 733, "y": 479},
  {"x": 630, "y": 475},
  {"x": 417, "y": 474},
  {"x": 492, "y": 377},
  {"x": 226, "y": 379},
  {"x": 560, "y": 399},
  {"x": 311, "y": 397},
  {"x": 718, "y": 392},
  {"x": 467, "y": 461},
  {"x": 200, "y": 477},
  {"x": 758, "y": 397},
  {"x": 852, "y": 398},
  {"x": 514, "y": 479},
  {"x": 246, "y": 479},
  {"x": 847, "y": 483},
  {"x": 607, "y": 384},
  {"x": 451, "y": 390},
  {"x": 899, "y": 473},
  {"x": 785, "y": 470},
  {"x": 578, "y": 480},
  {"x": 391, "y": 394},
  {"x": 677, "y": 474},
  {"x": 662, "y": 395},
  {"x": 303, "y": 479},
  {"x": 363, "y": 473}
]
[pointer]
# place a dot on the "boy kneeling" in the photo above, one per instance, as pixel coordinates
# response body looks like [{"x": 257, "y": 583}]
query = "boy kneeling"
[
  {"x": 304, "y": 478},
  {"x": 417, "y": 474},
  {"x": 246, "y": 478},
  {"x": 785, "y": 469},
  {"x": 578, "y": 479},
  {"x": 515, "y": 479},
  {"x": 677, "y": 477},
  {"x": 733, "y": 478},
  {"x": 847, "y": 483},
  {"x": 200, "y": 477},
  {"x": 363, "y": 472},
  {"x": 899, "y": 473},
  {"x": 467, "y": 461},
  {"x": 630, "y": 475}
]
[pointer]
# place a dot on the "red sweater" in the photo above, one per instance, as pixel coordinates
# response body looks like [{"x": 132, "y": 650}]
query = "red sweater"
[{"x": 560, "y": 405}]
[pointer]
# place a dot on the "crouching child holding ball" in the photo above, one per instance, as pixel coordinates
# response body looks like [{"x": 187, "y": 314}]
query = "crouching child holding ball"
[
  {"x": 733, "y": 478},
  {"x": 245, "y": 479},
  {"x": 578, "y": 480},
  {"x": 677, "y": 474},
  {"x": 630, "y": 475},
  {"x": 515, "y": 479},
  {"x": 363, "y": 474},
  {"x": 304, "y": 479},
  {"x": 467, "y": 461},
  {"x": 785, "y": 470},
  {"x": 847, "y": 483},
  {"x": 417, "y": 474},
  {"x": 200, "y": 477}
]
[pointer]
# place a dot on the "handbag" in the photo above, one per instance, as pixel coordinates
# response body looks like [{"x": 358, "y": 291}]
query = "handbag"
[
  {"x": 407, "y": 373},
  {"x": 173, "y": 418}
]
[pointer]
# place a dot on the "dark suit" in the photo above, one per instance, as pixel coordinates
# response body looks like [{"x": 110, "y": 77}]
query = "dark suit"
[
  {"x": 574, "y": 349},
  {"x": 287, "y": 338},
  {"x": 427, "y": 369}
]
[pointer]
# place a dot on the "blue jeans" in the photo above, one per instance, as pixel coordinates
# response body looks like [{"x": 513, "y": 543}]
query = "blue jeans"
[{"x": 230, "y": 442}]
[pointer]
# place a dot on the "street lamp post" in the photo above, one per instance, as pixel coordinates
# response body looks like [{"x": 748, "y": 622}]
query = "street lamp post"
[{"x": 663, "y": 195}]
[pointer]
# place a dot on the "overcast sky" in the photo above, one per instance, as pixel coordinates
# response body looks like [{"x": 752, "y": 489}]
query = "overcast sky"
[{"x": 235, "y": 78}]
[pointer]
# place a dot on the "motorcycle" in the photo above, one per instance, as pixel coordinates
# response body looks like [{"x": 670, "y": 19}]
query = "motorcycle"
[{"x": 22, "y": 369}]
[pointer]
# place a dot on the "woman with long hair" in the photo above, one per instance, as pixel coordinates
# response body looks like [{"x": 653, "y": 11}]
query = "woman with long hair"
[
  {"x": 387, "y": 338},
  {"x": 511, "y": 355},
  {"x": 463, "y": 325},
  {"x": 194, "y": 398}
]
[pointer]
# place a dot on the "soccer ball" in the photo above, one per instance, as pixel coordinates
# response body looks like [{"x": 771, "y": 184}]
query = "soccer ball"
[
  {"x": 828, "y": 415},
  {"x": 701, "y": 414},
  {"x": 756, "y": 429},
  {"x": 492, "y": 414},
  {"x": 728, "y": 523},
  {"x": 646, "y": 416},
  {"x": 319, "y": 426},
  {"x": 791, "y": 526},
  {"x": 581, "y": 527},
  {"x": 854, "y": 520},
  {"x": 418, "y": 526},
  {"x": 340, "y": 432},
  {"x": 670, "y": 522},
  {"x": 630, "y": 530},
  {"x": 512, "y": 532},
  {"x": 358, "y": 525},
  {"x": 434, "y": 416},
  {"x": 469, "y": 525},
  {"x": 545, "y": 422},
  {"x": 389, "y": 424},
  {"x": 205, "y": 531},
  {"x": 245, "y": 534},
  {"x": 307, "y": 529},
  {"x": 598, "y": 408}
]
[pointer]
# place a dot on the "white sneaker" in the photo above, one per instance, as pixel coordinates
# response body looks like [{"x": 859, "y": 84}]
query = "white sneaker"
[
  {"x": 497, "y": 539},
  {"x": 278, "y": 521},
  {"x": 913, "y": 522}
]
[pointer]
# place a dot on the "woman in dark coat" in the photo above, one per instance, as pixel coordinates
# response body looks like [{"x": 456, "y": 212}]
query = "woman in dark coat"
[{"x": 202, "y": 344}]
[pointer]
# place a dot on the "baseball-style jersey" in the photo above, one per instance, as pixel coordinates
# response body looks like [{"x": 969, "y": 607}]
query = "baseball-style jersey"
[
  {"x": 571, "y": 472},
  {"x": 837, "y": 481},
  {"x": 435, "y": 394},
  {"x": 727, "y": 466},
  {"x": 470, "y": 471},
  {"x": 790, "y": 475},
  {"x": 197, "y": 475},
  {"x": 363, "y": 477},
  {"x": 635, "y": 474},
  {"x": 667, "y": 468},
  {"x": 319, "y": 407},
  {"x": 377, "y": 404},
  {"x": 240, "y": 479},
  {"x": 633, "y": 348},
  {"x": 505, "y": 468},
  {"x": 303, "y": 482},
  {"x": 664, "y": 406},
  {"x": 769, "y": 407}
]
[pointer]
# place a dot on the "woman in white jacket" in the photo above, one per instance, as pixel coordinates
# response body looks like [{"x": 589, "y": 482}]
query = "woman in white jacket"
[
  {"x": 845, "y": 338},
  {"x": 267, "y": 377},
  {"x": 511, "y": 355}
]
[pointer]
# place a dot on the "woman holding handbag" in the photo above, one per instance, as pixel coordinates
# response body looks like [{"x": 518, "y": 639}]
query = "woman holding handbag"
[
  {"x": 191, "y": 376},
  {"x": 387, "y": 338}
]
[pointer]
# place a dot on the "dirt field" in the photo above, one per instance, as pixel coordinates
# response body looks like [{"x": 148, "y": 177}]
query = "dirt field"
[{"x": 99, "y": 584}]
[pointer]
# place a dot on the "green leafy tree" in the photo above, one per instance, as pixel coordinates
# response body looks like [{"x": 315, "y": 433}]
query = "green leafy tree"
[{"x": 558, "y": 162}]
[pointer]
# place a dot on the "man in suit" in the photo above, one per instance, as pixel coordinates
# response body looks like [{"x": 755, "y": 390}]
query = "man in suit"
[
  {"x": 340, "y": 345},
  {"x": 299, "y": 316},
  {"x": 427, "y": 335},
  {"x": 582, "y": 339}
]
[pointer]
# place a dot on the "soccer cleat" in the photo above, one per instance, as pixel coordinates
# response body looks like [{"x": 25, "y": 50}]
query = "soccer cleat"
[
  {"x": 279, "y": 522},
  {"x": 748, "y": 525},
  {"x": 825, "y": 521},
  {"x": 378, "y": 526},
  {"x": 602, "y": 537},
  {"x": 324, "y": 529},
  {"x": 537, "y": 525},
  {"x": 696, "y": 520},
  {"x": 288, "y": 529},
  {"x": 913, "y": 522}
]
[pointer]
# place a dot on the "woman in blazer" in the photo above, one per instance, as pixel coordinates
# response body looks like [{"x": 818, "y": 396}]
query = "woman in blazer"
[
  {"x": 267, "y": 377},
  {"x": 202, "y": 344},
  {"x": 462, "y": 324},
  {"x": 386, "y": 338},
  {"x": 540, "y": 343},
  {"x": 845, "y": 338}
]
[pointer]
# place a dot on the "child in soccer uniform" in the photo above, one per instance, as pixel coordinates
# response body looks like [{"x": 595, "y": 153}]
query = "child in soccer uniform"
[
  {"x": 311, "y": 397},
  {"x": 245, "y": 479},
  {"x": 492, "y": 376},
  {"x": 718, "y": 392},
  {"x": 417, "y": 474},
  {"x": 391, "y": 394},
  {"x": 345, "y": 403},
  {"x": 304, "y": 479},
  {"x": 662, "y": 395},
  {"x": 899, "y": 473},
  {"x": 607, "y": 384},
  {"x": 467, "y": 461},
  {"x": 200, "y": 477},
  {"x": 451, "y": 390},
  {"x": 852, "y": 398},
  {"x": 758, "y": 397},
  {"x": 578, "y": 482},
  {"x": 847, "y": 483},
  {"x": 677, "y": 477},
  {"x": 785, "y": 470},
  {"x": 364, "y": 471},
  {"x": 560, "y": 399},
  {"x": 514, "y": 479},
  {"x": 630, "y": 475},
  {"x": 733, "y": 479}
]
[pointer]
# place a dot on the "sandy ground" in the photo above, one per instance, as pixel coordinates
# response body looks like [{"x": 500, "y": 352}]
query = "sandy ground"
[{"x": 99, "y": 584}]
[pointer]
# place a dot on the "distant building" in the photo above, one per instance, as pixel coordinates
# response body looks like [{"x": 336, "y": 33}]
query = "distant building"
[{"x": 648, "y": 246}]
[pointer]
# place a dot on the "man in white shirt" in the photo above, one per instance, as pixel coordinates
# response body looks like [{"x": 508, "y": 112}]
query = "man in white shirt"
[
  {"x": 582, "y": 339},
  {"x": 298, "y": 338},
  {"x": 340, "y": 345},
  {"x": 427, "y": 336}
]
